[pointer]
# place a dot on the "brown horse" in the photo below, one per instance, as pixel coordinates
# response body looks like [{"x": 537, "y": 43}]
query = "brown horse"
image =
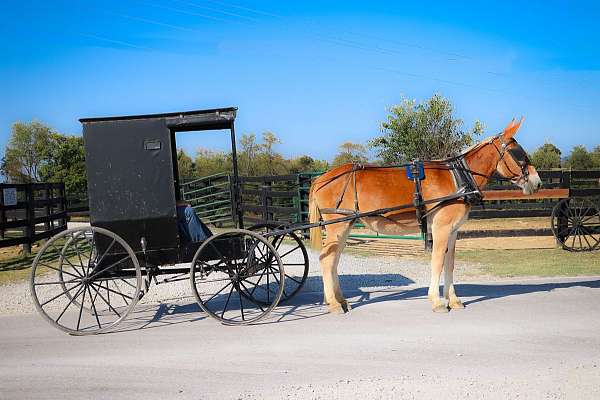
[{"x": 351, "y": 188}]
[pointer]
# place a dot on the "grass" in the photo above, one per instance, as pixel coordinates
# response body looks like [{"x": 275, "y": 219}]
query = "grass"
[
  {"x": 16, "y": 266},
  {"x": 532, "y": 262}
]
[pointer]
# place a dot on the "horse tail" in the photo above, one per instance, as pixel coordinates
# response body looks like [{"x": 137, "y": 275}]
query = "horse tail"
[{"x": 314, "y": 215}]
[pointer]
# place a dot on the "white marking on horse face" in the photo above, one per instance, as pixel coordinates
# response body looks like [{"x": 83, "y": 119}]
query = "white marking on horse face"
[{"x": 531, "y": 185}]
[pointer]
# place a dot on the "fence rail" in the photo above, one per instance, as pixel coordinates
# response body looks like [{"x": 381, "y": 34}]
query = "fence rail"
[
  {"x": 210, "y": 197},
  {"x": 31, "y": 212}
]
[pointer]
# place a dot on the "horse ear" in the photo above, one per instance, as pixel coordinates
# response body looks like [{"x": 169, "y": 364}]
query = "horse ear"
[
  {"x": 510, "y": 130},
  {"x": 510, "y": 125}
]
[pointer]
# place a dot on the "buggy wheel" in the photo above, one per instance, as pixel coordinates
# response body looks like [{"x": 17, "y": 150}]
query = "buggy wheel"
[
  {"x": 576, "y": 224},
  {"x": 237, "y": 277},
  {"x": 293, "y": 255},
  {"x": 85, "y": 280}
]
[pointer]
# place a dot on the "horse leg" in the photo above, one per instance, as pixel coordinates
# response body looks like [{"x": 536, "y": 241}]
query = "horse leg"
[
  {"x": 330, "y": 256},
  {"x": 449, "y": 293},
  {"x": 440, "y": 231}
]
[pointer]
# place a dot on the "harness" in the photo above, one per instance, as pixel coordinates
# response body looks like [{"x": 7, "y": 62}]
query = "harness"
[{"x": 467, "y": 189}]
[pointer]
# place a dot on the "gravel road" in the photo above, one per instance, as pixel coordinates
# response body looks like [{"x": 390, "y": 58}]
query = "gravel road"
[{"x": 527, "y": 339}]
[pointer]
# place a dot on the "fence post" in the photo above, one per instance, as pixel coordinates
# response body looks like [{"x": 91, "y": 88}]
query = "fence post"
[
  {"x": 2, "y": 212},
  {"x": 30, "y": 213},
  {"x": 47, "y": 209},
  {"x": 266, "y": 200}
]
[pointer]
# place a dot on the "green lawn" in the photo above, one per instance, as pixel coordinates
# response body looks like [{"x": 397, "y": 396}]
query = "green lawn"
[{"x": 529, "y": 262}]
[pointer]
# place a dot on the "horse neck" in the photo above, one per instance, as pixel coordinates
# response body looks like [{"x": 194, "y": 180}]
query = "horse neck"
[{"x": 483, "y": 161}]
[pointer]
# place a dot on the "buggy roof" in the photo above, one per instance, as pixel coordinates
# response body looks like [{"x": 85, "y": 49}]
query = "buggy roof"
[{"x": 197, "y": 120}]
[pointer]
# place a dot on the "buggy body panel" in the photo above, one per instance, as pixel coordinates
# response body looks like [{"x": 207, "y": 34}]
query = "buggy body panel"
[{"x": 133, "y": 179}]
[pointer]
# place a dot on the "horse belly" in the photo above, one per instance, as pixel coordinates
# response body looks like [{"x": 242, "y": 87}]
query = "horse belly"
[{"x": 398, "y": 224}]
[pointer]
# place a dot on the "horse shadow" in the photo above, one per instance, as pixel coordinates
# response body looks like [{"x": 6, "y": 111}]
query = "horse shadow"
[{"x": 477, "y": 291}]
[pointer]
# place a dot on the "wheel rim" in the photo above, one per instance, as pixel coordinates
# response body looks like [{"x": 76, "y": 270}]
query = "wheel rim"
[
  {"x": 576, "y": 224},
  {"x": 293, "y": 255},
  {"x": 85, "y": 280},
  {"x": 237, "y": 287}
]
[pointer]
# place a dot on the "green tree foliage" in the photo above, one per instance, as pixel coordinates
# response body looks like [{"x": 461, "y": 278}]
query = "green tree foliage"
[
  {"x": 247, "y": 157},
  {"x": 306, "y": 164},
  {"x": 27, "y": 150},
  {"x": 579, "y": 159},
  {"x": 66, "y": 163},
  {"x": 426, "y": 130},
  {"x": 350, "y": 153},
  {"x": 595, "y": 154},
  {"x": 210, "y": 162},
  {"x": 255, "y": 159},
  {"x": 546, "y": 156},
  {"x": 185, "y": 166},
  {"x": 273, "y": 160}
]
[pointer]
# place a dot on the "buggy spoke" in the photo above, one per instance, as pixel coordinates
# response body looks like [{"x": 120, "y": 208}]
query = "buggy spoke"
[
  {"x": 215, "y": 295},
  {"x": 81, "y": 309},
  {"x": 70, "y": 302},
  {"x": 64, "y": 293},
  {"x": 94, "y": 308},
  {"x": 241, "y": 302},
  {"x": 66, "y": 258},
  {"x": 288, "y": 252},
  {"x": 56, "y": 283},
  {"x": 78, "y": 254},
  {"x": 252, "y": 298},
  {"x": 111, "y": 290},
  {"x": 106, "y": 251},
  {"x": 128, "y": 283},
  {"x": 95, "y": 274},
  {"x": 227, "y": 302},
  {"x": 107, "y": 302},
  {"x": 121, "y": 293}
]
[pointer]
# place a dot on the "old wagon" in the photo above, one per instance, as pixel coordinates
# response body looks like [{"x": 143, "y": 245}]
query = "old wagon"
[{"x": 87, "y": 280}]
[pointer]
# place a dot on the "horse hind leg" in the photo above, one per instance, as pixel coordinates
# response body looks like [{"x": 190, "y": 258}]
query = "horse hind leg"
[
  {"x": 449, "y": 294},
  {"x": 440, "y": 232},
  {"x": 329, "y": 259}
]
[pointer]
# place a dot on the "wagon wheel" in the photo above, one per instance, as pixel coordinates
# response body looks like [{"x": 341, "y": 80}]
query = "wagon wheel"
[
  {"x": 293, "y": 255},
  {"x": 85, "y": 280},
  {"x": 576, "y": 224},
  {"x": 237, "y": 277}
]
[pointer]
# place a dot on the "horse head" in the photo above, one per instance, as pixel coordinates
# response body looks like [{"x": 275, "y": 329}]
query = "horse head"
[{"x": 514, "y": 164}]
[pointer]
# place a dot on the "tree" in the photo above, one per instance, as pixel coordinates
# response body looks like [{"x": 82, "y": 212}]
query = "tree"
[
  {"x": 270, "y": 140},
  {"x": 185, "y": 166},
  {"x": 595, "y": 154},
  {"x": 65, "y": 162},
  {"x": 210, "y": 162},
  {"x": 579, "y": 159},
  {"x": 425, "y": 130},
  {"x": 26, "y": 151},
  {"x": 350, "y": 153},
  {"x": 306, "y": 164},
  {"x": 546, "y": 156},
  {"x": 247, "y": 157}
]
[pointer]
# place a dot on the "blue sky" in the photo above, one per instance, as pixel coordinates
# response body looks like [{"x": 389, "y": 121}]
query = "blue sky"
[{"x": 315, "y": 73}]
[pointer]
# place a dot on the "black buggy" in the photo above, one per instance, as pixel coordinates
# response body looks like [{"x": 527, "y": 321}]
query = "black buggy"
[{"x": 87, "y": 280}]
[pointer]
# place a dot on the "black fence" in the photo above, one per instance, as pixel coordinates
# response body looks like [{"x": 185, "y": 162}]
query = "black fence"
[{"x": 31, "y": 212}]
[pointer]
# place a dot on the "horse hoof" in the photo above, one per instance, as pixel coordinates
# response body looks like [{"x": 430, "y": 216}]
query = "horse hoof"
[
  {"x": 440, "y": 308},
  {"x": 456, "y": 305},
  {"x": 340, "y": 308}
]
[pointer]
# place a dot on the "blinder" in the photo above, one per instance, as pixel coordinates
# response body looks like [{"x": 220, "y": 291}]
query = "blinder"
[{"x": 519, "y": 155}]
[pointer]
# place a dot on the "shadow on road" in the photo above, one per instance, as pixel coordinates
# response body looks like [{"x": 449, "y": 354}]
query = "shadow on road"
[
  {"x": 309, "y": 304},
  {"x": 482, "y": 292}
]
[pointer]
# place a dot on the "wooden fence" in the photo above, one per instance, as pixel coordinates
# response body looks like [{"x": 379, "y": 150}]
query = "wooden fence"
[
  {"x": 284, "y": 199},
  {"x": 210, "y": 197},
  {"x": 31, "y": 212}
]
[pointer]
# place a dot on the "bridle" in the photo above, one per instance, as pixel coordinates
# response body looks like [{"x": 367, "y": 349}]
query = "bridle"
[
  {"x": 516, "y": 152},
  {"x": 518, "y": 155}
]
